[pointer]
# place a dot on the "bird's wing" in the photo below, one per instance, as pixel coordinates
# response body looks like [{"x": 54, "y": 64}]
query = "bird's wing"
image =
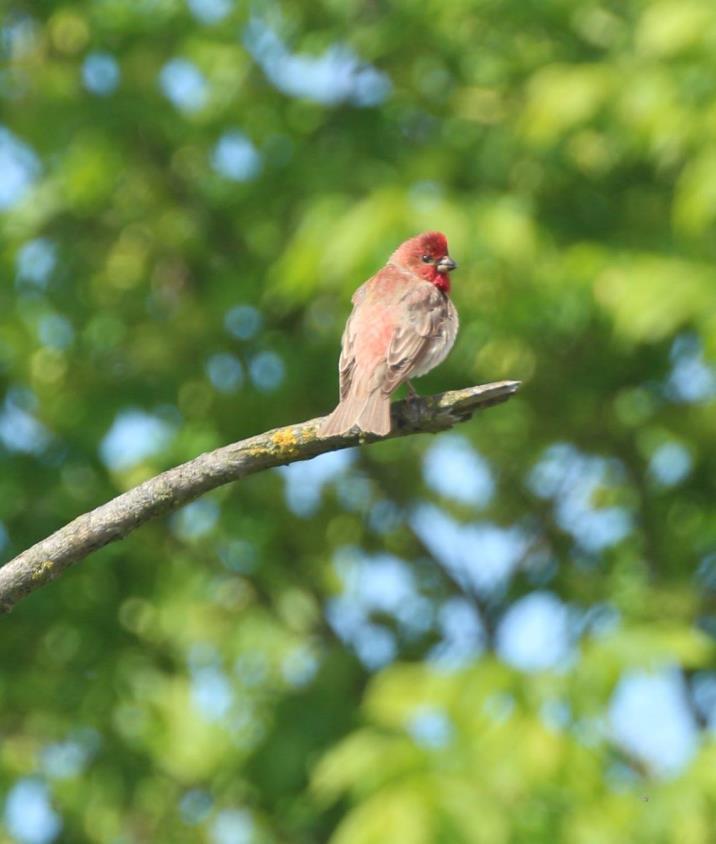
[
  {"x": 427, "y": 327},
  {"x": 347, "y": 360},
  {"x": 400, "y": 326}
]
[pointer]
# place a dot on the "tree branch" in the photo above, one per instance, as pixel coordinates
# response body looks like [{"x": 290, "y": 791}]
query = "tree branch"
[{"x": 172, "y": 489}]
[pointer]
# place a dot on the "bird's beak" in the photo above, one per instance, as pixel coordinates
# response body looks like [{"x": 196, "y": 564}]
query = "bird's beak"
[{"x": 446, "y": 264}]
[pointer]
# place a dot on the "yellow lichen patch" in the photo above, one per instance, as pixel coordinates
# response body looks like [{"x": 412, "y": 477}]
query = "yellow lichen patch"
[
  {"x": 285, "y": 439},
  {"x": 43, "y": 569}
]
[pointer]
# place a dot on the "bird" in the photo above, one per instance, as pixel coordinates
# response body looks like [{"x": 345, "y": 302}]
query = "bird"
[{"x": 403, "y": 324}]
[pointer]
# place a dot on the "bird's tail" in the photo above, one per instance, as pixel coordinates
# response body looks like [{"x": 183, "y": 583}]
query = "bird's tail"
[{"x": 370, "y": 413}]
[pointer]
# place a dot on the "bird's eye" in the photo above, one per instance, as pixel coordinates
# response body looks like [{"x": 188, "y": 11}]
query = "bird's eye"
[{"x": 426, "y": 259}]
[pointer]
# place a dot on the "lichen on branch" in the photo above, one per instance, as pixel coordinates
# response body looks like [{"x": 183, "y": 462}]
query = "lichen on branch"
[{"x": 176, "y": 487}]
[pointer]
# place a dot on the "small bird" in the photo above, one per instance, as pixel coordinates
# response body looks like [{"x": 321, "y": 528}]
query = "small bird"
[{"x": 403, "y": 324}]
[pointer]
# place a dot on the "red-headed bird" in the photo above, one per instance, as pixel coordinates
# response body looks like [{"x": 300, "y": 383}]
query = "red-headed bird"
[{"x": 403, "y": 324}]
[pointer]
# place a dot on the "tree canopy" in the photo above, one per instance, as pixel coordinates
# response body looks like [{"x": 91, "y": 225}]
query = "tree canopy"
[{"x": 499, "y": 635}]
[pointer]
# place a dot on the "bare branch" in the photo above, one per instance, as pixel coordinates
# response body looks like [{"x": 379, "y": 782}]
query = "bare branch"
[{"x": 172, "y": 489}]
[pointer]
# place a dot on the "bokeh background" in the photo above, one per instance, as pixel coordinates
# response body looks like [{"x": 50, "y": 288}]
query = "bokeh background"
[{"x": 501, "y": 634}]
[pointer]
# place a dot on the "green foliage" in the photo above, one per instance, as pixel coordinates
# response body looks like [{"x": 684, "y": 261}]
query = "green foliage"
[
  {"x": 196, "y": 682},
  {"x": 502, "y": 773}
]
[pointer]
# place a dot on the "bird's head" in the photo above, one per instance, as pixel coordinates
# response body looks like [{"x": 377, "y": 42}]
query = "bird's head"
[{"x": 427, "y": 256}]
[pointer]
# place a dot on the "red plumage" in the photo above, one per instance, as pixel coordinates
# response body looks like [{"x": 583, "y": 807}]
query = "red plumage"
[{"x": 403, "y": 324}]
